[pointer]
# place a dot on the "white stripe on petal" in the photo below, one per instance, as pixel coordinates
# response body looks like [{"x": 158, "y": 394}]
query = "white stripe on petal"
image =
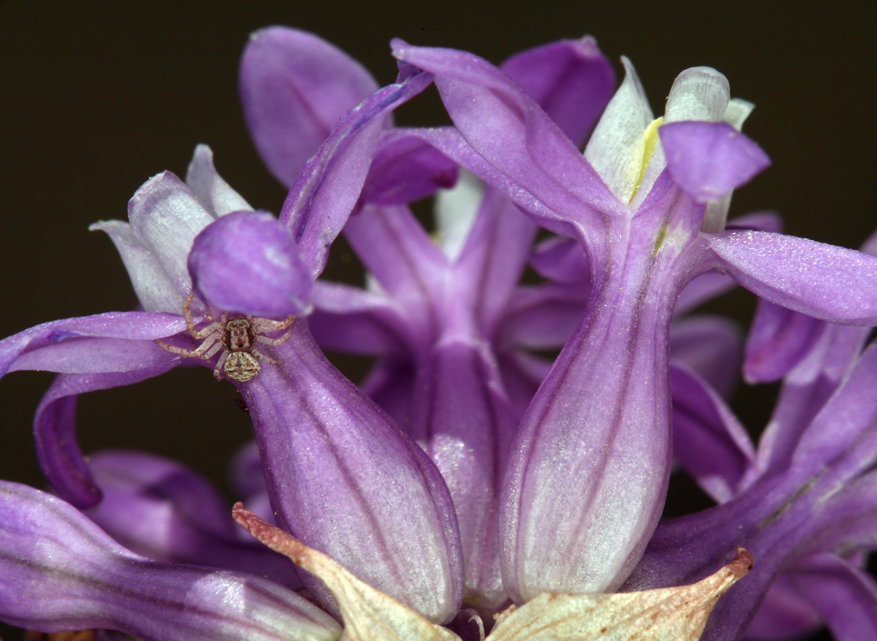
[{"x": 616, "y": 148}]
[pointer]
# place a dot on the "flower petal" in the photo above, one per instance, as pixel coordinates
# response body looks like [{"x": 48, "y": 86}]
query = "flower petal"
[
  {"x": 455, "y": 211},
  {"x": 702, "y": 288},
  {"x": 329, "y": 185},
  {"x": 562, "y": 260},
  {"x": 154, "y": 288},
  {"x": 831, "y": 283},
  {"x": 465, "y": 420},
  {"x": 406, "y": 169},
  {"x": 340, "y": 474},
  {"x": 570, "y": 79},
  {"x": 710, "y": 159},
  {"x": 698, "y": 93},
  {"x": 397, "y": 251},
  {"x": 711, "y": 347},
  {"x": 61, "y": 572},
  {"x": 294, "y": 88},
  {"x": 351, "y": 319},
  {"x": 708, "y": 441},
  {"x": 778, "y": 340},
  {"x": 214, "y": 194},
  {"x": 509, "y": 130},
  {"x": 166, "y": 216},
  {"x": 845, "y": 596},
  {"x": 806, "y": 390},
  {"x": 783, "y": 613},
  {"x": 618, "y": 147},
  {"x": 116, "y": 328},
  {"x": 247, "y": 263},
  {"x": 492, "y": 261},
  {"x": 55, "y": 430},
  {"x": 164, "y": 511}
]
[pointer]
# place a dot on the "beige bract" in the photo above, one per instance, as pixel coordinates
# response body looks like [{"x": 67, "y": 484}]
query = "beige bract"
[{"x": 667, "y": 614}]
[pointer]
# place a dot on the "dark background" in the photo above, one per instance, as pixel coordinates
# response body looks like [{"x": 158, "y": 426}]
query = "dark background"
[{"x": 96, "y": 98}]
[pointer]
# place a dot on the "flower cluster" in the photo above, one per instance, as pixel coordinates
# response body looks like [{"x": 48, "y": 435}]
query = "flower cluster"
[{"x": 470, "y": 484}]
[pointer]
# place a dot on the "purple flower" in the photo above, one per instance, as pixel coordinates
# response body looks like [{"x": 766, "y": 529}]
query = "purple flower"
[
  {"x": 465, "y": 472},
  {"x": 338, "y": 471},
  {"x": 803, "y": 501},
  {"x": 589, "y": 467}
]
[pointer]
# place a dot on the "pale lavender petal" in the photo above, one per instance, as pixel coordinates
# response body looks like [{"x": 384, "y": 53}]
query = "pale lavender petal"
[
  {"x": 294, "y": 87},
  {"x": 164, "y": 511},
  {"x": 154, "y": 288},
  {"x": 511, "y": 132},
  {"x": 166, "y": 216},
  {"x": 340, "y": 474},
  {"x": 329, "y": 185},
  {"x": 406, "y": 169},
  {"x": 708, "y": 441},
  {"x": 562, "y": 260},
  {"x": 571, "y": 80},
  {"x": 710, "y": 346},
  {"x": 397, "y": 251},
  {"x": 354, "y": 320},
  {"x": 115, "y": 327},
  {"x": 831, "y": 283},
  {"x": 247, "y": 263},
  {"x": 778, "y": 340},
  {"x": 463, "y": 417},
  {"x": 710, "y": 159},
  {"x": 702, "y": 288},
  {"x": 61, "y": 572},
  {"x": 214, "y": 194},
  {"x": 845, "y": 596},
  {"x": 543, "y": 316},
  {"x": 55, "y": 430},
  {"x": 492, "y": 260}
]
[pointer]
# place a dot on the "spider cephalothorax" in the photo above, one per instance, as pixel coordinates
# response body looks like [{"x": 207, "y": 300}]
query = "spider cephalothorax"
[{"x": 237, "y": 336}]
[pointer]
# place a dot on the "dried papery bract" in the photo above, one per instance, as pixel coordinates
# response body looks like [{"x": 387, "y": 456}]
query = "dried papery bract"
[
  {"x": 667, "y": 614},
  {"x": 369, "y": 615}
]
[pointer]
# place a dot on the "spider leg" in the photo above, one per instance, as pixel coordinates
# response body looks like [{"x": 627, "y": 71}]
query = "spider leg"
[
  {"x": 274, "y": 341},
  {"x": 261, "y": 325},
  {"x": 217, "y": 371},
  {"x": 208, "y": 343},
  {"x": 212, "y": 328},
  {"x": 212, "y": 351},
  {"x": 177, "y": 350},
  {"x": 255, "y": 352},
  {"x": 187, "y": 313}
]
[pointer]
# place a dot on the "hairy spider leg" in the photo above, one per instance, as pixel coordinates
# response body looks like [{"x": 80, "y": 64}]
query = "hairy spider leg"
[
  {"x": 267, "y": 359},
  {"x": 261, "y": 325},
  {"x": 274, "y": 341},
  {"x": 190, "y": 323}
]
